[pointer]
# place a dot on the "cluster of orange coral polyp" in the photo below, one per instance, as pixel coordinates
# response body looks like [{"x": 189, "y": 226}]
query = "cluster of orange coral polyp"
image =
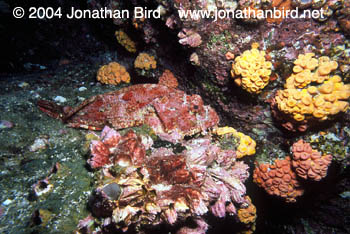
[
  {"x": 309, "y": 163},
  {"x": 125, "y": 41},
  {"x": 251, "y": 70},
  {"x": 113, "y": 73},
  {"x": 145, "y": 62},
  {"x": 168, "y": 79},
  {"x": 247, "y": 215},
  {"x": 311, "y": 93},
  {"x": 281, "y": 5},
  {"x": 278, "y": 179}
]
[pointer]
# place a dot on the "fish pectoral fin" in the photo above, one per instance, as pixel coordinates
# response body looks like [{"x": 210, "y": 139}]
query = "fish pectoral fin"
[{"x": 51, "y": 109}]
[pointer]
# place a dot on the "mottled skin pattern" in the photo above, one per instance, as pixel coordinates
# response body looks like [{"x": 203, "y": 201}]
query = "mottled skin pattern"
[{"x": 170, "y": 112}]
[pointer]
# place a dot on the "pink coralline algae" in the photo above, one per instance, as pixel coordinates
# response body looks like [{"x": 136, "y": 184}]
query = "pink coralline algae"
[
  {"x": 190, "y": 38},
  {"x": 113, "y": 148},
  {"x": 309, "y": 163},
  {"x": 170, "y": 112},
  {"x": 139, "y": 189},
  {"x": 201, "y": 228}
]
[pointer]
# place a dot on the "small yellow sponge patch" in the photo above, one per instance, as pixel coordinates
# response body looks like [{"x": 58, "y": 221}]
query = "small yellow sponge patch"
[
  {"x": 125, "y": 41},
  {"x": 113, "y": 73},
  {"x": 311, "y": 92},
  {"x": 251, "y": 70},
  {"x": 246, "y": 143}
]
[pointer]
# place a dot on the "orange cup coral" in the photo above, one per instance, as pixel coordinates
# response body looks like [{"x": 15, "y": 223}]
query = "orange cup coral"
[
  {"x": 311, "y": 93},
  {"x": 113, "y": 73},
  {"x": 282, "y": 6},
  {"x": 251, "y": 71},
  {"x": 125, "y": 41},
  {"x": 247, "y": 214},
  {"x": 278, "y": 179},
  {"x": 145, "y": 61},
  {"x": 309, "y": 163}
]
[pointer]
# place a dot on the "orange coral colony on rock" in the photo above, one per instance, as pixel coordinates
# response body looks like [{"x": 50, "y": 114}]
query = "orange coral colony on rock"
[
  {"x": 311, "y": 93},
  {"x": 281, "y": 5},
  {"x": 113, "y": 73},
  {"x": 247, "y": 214},
  {"x": 278, "y": 179},
  {"x": 309, "y": 163},
  {"x": 251, "y": 71},
  {"x": 125, "y": 41},
  {"x": 145, "y": 61}
]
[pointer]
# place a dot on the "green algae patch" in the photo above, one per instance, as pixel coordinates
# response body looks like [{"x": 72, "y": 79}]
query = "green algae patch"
[
  {"x": 223, "y": 41},
  {"x": 65, "y": 201},
  {"x": 71, "y": 189},
  {"x": 228, "y": 142},
  {"x": 330, "y": 143},
  {"x": 22, "y": 166},
  {"x": 269, "y": 153}
]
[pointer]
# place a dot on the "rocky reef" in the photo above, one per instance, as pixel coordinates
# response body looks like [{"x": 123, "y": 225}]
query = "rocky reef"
[{"x": 174, "y": 122}]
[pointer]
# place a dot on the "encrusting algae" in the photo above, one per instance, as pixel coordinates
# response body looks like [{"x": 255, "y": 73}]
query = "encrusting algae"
[
  {"x": 113, "y": 73},
  {"x": 311, "y": 92},
  {"x": 251, "y": 70}
]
